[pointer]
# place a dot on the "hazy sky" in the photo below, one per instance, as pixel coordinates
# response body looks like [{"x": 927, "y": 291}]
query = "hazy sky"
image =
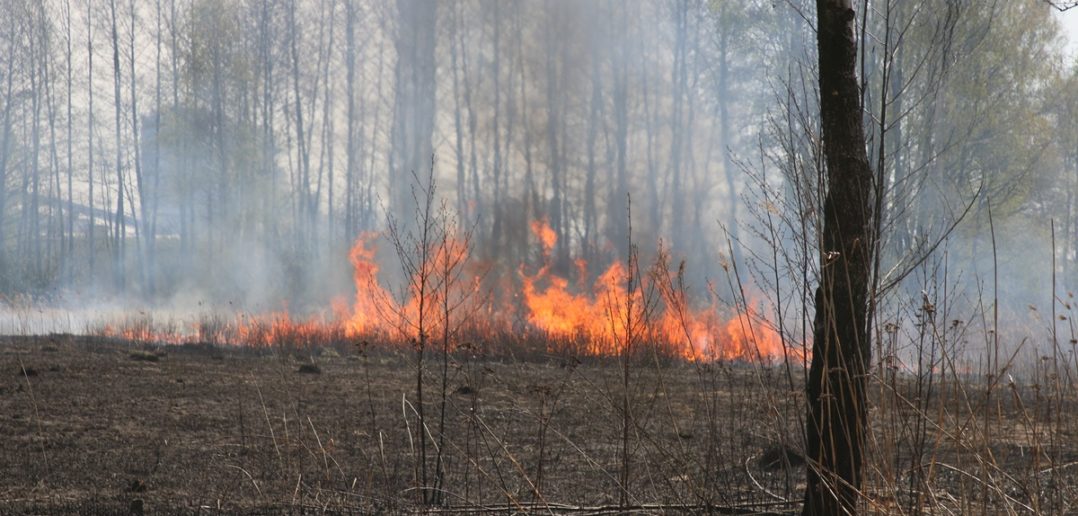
[{"x": 1069, "y": 19}]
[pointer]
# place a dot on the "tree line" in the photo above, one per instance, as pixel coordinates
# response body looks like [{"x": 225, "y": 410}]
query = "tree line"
[{"x": 151, "y": 146}]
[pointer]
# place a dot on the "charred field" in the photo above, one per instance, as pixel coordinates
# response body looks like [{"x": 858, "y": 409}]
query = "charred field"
[
  {"x": 98, "y": 424},
  {"x": 102, "y": 425}
]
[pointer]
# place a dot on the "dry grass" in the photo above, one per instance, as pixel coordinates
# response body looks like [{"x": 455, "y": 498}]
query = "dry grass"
[{"x": 241, "y": 429}]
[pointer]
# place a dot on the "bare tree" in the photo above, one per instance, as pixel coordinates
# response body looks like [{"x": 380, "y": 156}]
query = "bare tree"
[
  {"x": 837, "y": 419},
  {"x": 120, "y": 233},
  {"x": 90, "y": 135},
  {"x": 414, "y": 100},
  {"x": 69, "y": 263}
]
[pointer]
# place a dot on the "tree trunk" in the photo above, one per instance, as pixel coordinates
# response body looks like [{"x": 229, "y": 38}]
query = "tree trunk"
[
  {"x": 617, "y": 214},
  {"x": 556, "y": 208},
  {"x": 121, "y": 229},
  {"x": 70, "y": 243},
  {"x": 725, "y": 100},
  {"x": 90, "y": 138},
  {"x": 413, "y": 117},
  {"x": 678, "y": 83},
  {"x": 458, "y": 131},
  {"x": 835, "y": 429},
  {"x": 327, "y": 132},
  {"x": 34, "y": 229},
  {"x": 140, "y": 187},
  {"x": 590, "y": 217},
  {"x": 350, "y": 146},
  {"x": 268, "y": 107},
  {"x": 496, "y": 171},
  {"x": 151, "y": 224},
  {"x": 55, "y": 220},
  {"x": 303, "y": 184},
  {"x": 5, "y": 141}
]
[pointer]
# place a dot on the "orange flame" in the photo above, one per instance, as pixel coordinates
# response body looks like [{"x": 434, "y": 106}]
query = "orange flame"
[
  {"x": 614, "y": 314},
  {"x": 369, "y": 308},
  {"x": 609, "y": 316},
  {"x": 547, "y": 237}
]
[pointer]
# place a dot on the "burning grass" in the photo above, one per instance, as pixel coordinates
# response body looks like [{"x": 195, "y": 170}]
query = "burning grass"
[
  {"x": 555, "y": 391},
  {"x": 622, "y": 308}
]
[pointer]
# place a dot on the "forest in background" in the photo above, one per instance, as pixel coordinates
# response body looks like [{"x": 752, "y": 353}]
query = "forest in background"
[
  {"x": 695, "y": 220},
  {"x": 189, "y": 151}
]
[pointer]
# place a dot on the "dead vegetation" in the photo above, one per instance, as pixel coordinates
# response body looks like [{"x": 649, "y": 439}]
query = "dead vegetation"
[{"x": 238, "y": 430}]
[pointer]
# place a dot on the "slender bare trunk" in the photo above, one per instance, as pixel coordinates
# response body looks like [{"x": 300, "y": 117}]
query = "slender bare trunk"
[
  {"x": 120, "y": 232},
  {"x": 837, "y": 419},
  {"x": 90, "y": 243}
]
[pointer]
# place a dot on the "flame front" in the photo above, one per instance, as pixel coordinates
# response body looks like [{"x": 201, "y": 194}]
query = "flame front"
[
  {"x": 368, "y": 309},
  {"x": 622, "y": 311},
  {"x": 546, "y": 235},
  {"x": 612, "y": 316}
]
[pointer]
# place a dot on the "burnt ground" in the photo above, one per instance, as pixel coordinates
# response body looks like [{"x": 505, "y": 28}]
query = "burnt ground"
[{"x": 94, "y": 425}]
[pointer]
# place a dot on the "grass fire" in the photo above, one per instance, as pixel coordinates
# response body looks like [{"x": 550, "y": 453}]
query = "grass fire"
[
  {"x": 598, "y": 257},
  {"x": 572, "y": 316}
]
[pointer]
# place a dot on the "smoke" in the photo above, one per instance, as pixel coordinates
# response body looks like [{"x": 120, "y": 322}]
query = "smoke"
[{"x": 253, "y": 143}]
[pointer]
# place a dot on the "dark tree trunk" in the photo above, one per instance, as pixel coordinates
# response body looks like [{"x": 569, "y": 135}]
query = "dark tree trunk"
[{"x": 835, "y": 430}]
